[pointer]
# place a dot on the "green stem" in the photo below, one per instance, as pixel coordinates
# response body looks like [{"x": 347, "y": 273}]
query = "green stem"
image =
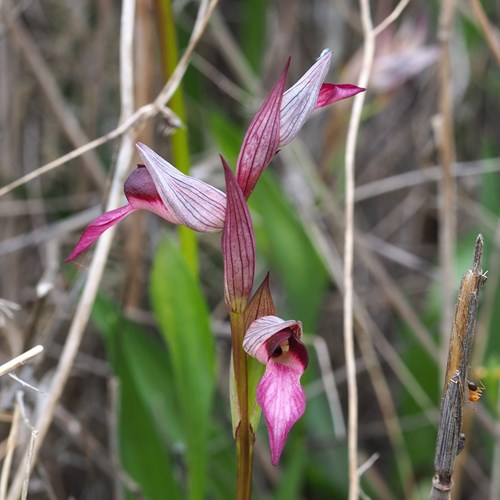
[
  {"x": 244, "y": 434},
  {"x": 180, "y": 139}
]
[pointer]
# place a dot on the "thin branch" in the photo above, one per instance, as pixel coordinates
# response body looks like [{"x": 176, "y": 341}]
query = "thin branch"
[
  {"x": 20, "y": 360},
  {"x": 418, "y": 177},
  {"x": 398, "y": 10},
  {"x": 368, "y": 54}
]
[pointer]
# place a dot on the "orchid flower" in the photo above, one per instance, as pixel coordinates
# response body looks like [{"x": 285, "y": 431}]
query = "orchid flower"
[
  {"x": 162, "y": 189},
  {"x": 276, "y": 343}
]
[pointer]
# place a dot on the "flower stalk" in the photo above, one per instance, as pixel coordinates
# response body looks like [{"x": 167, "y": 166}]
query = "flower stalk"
[{"x": 244, "y": 433}]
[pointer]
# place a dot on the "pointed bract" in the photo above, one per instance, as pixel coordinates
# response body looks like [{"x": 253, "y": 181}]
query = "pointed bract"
[
  {"x": 277, "y": 343},
  {"x": 334, "y": 92},
  {"x": 300, "y": 100},
  {"x": 261, "y": 304},
  {"x": 238, "y": 246},
  {"x": 262, "y": 138},
  {"x": 192, "y": 202}
]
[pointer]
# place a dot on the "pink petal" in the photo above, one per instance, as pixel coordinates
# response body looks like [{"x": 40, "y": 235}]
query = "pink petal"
[
  {"x": 300, "y": 100},
  {"x": 262, "y": 138},
  {"x": 97, "y": 227},
  {"x": 332, "y": 92},
  {"x": 238, "y": 246},
  {"x": 283, "y": 402},
  {"x": 191, "y": 202}
]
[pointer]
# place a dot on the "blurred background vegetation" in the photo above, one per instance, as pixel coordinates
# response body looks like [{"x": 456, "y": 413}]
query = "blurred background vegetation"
[{"x": 145, "y": 410}]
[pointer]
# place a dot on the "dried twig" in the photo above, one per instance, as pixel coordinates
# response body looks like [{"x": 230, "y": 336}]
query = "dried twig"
[
  {"x": 460, "y": 347},
  {"x": 20, "y": 360},
  {"x": 11, "y": 446},
  {"x": 29, "y": 457}
]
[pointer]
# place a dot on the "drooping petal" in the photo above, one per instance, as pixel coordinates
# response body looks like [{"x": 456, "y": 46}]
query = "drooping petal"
[
  {"x": 141, "y": 194},
  {"x": 97, "y": 227},
  {"x": 238, "y": 246},
  {"x": 333, "y": 92},
  {"x": 300, "y": 100},
  {"x": 276, "y": 343},
  {"x": 262, "y": 138},
  {"x": 192, "y": 202},
  {"x": 283, "y": 402}
]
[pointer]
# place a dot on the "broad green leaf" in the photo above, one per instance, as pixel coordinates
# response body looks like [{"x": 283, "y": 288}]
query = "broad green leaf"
[
  {"x": 143, "y": 446},
  {"x": 183, "y": 319}
]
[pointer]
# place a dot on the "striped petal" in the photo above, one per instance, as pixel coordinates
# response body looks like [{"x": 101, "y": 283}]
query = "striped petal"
[
  {"x": 191, "y": 202},
  {"x": 261, "y": 139},
  {"x": 238, "y": 246},
  {"x": 300, "y": 100}
]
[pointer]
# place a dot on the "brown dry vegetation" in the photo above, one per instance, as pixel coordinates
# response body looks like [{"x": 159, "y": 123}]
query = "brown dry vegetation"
[{"x": 60, "y": 88}]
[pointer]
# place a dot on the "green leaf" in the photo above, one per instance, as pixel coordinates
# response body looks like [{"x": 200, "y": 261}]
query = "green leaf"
[
  {"x": 183, "y": 319},
  {"x": 142, "y": 443}
]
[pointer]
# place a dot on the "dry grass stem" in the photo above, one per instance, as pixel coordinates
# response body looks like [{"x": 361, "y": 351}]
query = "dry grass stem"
[
  {"x": 447, "y": 188},
  {"x": 29, "y": 457},
  {"x": 488, "y": 31},
  {"x": 20, "y": 360},
  {"x": 417, "y": 177},
  {"x": 330, "y": 387},
  {"x": 398, "y": 10},
  {"x": 11, "y": 446},
  {"x": 459, "y": 352},
  {"x": 352, "y": 134}
]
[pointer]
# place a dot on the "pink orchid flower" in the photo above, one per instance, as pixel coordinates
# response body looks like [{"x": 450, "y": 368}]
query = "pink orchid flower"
[
  {"x": 162, "y": 189},
  {"x": 276, "y": 343}
]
